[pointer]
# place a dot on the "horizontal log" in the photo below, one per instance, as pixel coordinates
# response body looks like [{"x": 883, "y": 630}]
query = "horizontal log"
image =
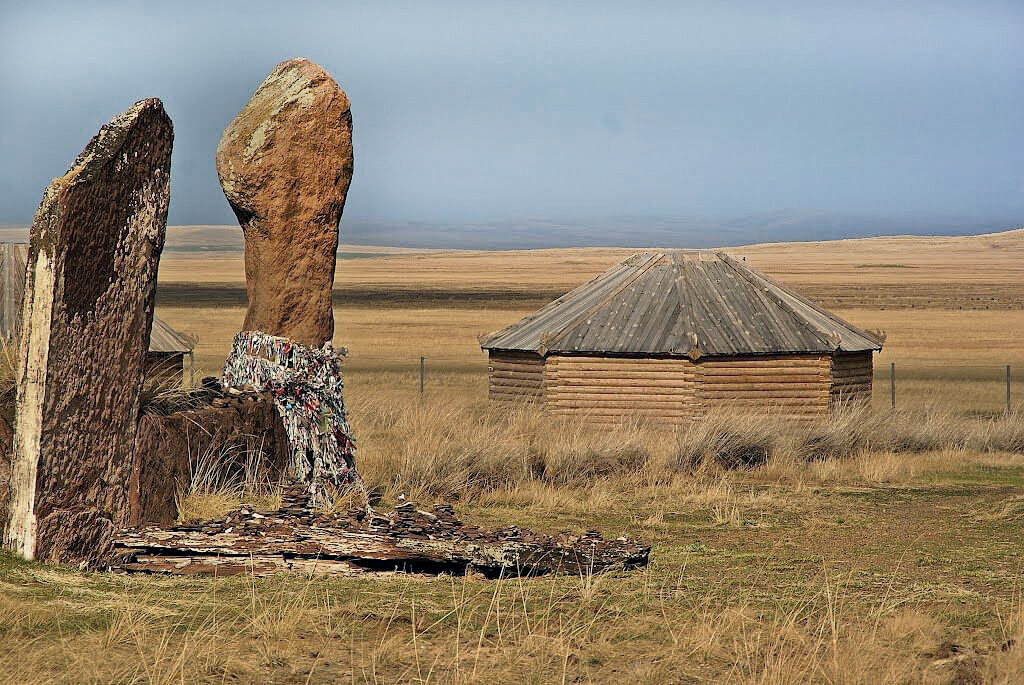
[
  {"x": 507, "y": 393},
  {"x": 532, "y": 401},
  {"x": 764, "y": 396},
  {"x": 516, "y": 365},
  {"x": 533, "y": 371},
  {"x": 809, "y": 364},
  {"x": 291, "y": 544},
  {"x": 563, "y": 362},
  {"x": 515, "y": 383},
  {"x": 531, "y": 396},
  {"x": 624, "y": 412},
  {"x": 620, "y": 392},
  {"x": 623, "y": 376},
  {"x": 517, "y": 387},
  {"x": 504, "y": 380},
  {"x": 719, "y": 403},
  {"x": 782, "y": 416},
  {"x": 625, "y": 393},
  {"x": 671, "y": 407},
  {"x": 780, "y": 385},
  {"x": 839, "y": 373},
  {"x": 761, "y": 395},
  {"x": 771, "y": 377},
  {"x": 520, "y": 392},
  {"x": 516, "y": 379},
  {"x": 539, "y": 373},
  {"x": 764, "y": 371},
  {"x": 585, "y": 359},
  {"x": 623, "y": 382}
]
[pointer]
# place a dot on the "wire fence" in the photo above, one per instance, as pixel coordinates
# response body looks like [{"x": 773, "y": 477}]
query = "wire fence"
[
  {"x": 979, "y": 389},
  {"x": 983, "y": 389}
]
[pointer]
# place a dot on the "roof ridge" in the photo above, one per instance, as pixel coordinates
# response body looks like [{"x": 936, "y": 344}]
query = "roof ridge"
[{"x": 687, "y": 321}]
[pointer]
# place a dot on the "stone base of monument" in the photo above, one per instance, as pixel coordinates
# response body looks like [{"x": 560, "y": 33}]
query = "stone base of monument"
[
  {"x": 233, "y": 434},
  {"x": 299, "y": 538}
]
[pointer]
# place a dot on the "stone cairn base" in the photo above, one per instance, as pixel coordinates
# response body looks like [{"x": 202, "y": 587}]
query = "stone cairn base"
[{"x": 298, "y": 537}]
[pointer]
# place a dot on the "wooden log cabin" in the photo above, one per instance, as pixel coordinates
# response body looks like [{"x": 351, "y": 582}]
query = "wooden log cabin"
[
  {"x": 674, "y": 335},
  {"x": 165, "y": 360}
]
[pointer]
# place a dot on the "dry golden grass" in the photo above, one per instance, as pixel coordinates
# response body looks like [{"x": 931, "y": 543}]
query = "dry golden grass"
[
  {"x": 996, "y": 257},
  {"x": 878, "y": 547}
]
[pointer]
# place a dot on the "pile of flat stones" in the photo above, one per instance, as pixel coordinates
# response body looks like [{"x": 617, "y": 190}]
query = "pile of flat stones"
[{"x": 406, "y": 521}]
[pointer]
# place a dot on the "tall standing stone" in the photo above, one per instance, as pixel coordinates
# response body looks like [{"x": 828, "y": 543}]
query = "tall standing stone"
[
  {"x": 86, "y": 315},
  {"x": 285, "y": 164}
]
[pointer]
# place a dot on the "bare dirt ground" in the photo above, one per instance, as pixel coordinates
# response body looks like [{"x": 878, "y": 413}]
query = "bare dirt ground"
[{"x": 900, "y": 564}]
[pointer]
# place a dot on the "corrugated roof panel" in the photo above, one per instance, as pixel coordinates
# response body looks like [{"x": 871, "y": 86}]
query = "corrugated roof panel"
[{"x": 656, "y": 303}]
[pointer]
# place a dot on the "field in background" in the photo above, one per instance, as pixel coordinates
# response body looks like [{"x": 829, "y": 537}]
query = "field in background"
[
  {"x": 877, "y": 548},
  {"x": 953, "y": 308}
]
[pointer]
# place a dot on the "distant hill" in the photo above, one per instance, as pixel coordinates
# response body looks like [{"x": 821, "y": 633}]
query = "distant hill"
[
  {"x": 640, "y": 231},
  {"x": 635, "y": 231}
]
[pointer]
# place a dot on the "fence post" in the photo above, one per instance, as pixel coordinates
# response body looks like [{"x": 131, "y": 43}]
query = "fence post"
[
  {"x": 1007, "y": 388},
  {"x": 892, "y": 383},
  {"x": 422, "y": 360}
]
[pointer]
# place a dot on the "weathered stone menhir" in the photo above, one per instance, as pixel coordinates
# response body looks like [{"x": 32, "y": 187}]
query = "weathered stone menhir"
[
  {"x": 285, "y": 164},
  {"x": 95, "y": 246}
]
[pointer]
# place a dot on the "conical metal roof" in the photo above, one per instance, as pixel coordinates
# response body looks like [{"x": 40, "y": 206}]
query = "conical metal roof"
[{"x": 684, "y": 303}]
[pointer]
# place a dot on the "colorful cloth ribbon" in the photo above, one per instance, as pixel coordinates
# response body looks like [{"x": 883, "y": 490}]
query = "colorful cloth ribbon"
[{"x": 308, "y": 392}]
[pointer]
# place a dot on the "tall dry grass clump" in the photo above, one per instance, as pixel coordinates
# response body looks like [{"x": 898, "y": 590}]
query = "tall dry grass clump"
[
  {"x": 455, "y": 447},
  {"x": 727, "y": 440},
  {"x": 225, "y": 476}
]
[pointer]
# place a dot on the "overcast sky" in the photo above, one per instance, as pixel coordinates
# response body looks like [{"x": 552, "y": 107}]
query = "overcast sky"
[{"x": 485, "y": 110}]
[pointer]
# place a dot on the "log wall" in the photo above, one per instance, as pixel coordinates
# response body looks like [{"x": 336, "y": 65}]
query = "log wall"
[
  {"x": 515, "y": 376},
  {"x": 791, "y": 386},
  {"x": 851, "y": 378},
  {"x": 676, "y": 390},
  {"x": 614, "y": 388}
]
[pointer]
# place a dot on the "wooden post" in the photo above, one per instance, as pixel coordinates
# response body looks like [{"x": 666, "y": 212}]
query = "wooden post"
[
  {"x": 892, "y": 383},
  {"x": 422, "y": 360},
  {"x": 1007, "y": 388}
]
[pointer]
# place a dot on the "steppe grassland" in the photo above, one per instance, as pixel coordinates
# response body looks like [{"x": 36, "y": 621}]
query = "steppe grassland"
[
  {"x": 895, "y": 561},
  {"x": 953, "y": 308}
]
